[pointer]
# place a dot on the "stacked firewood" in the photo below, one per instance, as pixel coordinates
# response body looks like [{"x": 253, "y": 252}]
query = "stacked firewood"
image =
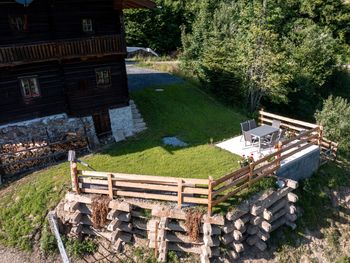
[{"x": 23, "y": 156}]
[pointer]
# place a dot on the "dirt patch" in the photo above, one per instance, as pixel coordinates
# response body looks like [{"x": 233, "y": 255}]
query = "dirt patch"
[
  {"x": 193, "y": 223},
  {"x": 13, "y": 255},
  {"x": 341, "y": 197},
  {"x": 99, "y": 211}
]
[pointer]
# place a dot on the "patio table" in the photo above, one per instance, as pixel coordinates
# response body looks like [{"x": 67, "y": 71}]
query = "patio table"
[{"x": 262, "y": 131}]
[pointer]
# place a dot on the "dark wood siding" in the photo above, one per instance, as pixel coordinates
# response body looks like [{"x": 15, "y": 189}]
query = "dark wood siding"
[
  {"x": 83, "y": 95},
  {"x": 59, "y": 19},
  {"x": 69, "y": 83},
  {"x": 38, "y": 22},
  {"x": 12, "y": 105},
  {"x": 68, "y": 15}
]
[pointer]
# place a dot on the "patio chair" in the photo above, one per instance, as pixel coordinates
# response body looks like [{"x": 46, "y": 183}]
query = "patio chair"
[
  {"x": 252, "y": 124},
  {"x": 248, "y": 138},
  {"x": 282, "y": 134},
  {"x": 244, "y": 128},
  {"x": 272, "y": 140},
  {"x": 276, "y": 124}
]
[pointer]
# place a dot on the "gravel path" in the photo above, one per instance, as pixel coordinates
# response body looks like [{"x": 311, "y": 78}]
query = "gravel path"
[
  {"x": 139, "y": 78},
  {"x": 14, "y": 255}
]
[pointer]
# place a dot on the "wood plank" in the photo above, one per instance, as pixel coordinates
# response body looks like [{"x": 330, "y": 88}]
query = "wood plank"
[
  {"x": 110, "y": 186},
  {"x": 181, "y": 215},
  {"x": 133, "y": 177},
  {"x": 186, "y": 189},
  {"x": 114, "y": 204},
  {"x": 278, "y": 117},
  {"x": 232, "y": 175},
  {"x": 230, "y": 185},
  {"x": 232, "y": 193}
]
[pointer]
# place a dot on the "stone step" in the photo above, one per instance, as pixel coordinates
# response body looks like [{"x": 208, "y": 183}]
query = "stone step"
[
  {"x": 139, "y": 121},
  {"x": 135, "y": 111},
  {"x": 139, "y": 130},
  {"x": 140, "y": 126},
  {"x": 136, "y": 116}
]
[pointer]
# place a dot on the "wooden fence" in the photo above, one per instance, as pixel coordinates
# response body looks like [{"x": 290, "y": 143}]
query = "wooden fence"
[{"x": 202, "y": 191}]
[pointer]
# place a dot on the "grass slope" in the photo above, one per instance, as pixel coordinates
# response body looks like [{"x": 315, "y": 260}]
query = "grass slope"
[{"x": 180, "y": 110}]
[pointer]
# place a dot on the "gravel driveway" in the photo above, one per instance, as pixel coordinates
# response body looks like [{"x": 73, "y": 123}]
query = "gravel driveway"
[{"x": 139, "y": 78}]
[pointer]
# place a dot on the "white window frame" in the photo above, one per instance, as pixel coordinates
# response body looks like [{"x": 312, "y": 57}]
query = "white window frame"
[
  {"x": 30, "y": 87},
  {"x": 103, "y": 77},
  {"x": 87, "y": 25},
  {"x": 18, "y": 22}
]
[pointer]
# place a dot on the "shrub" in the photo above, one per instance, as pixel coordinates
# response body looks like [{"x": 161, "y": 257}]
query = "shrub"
[
  {"x": 78, "y": 249},
  {"x": 335, "y": 117},
  {"x": 48, "y": 244}
]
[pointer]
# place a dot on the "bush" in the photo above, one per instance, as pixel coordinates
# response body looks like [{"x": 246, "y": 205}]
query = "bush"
[
  {"x": 78, "y": 249},
  {"x": 335, "y": 117},
  {"x": 48, "y": 244}
]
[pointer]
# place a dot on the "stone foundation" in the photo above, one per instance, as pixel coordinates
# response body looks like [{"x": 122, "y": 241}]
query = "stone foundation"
[
  {"x": 52, "y": 128},
  {"x": 121, "y": 123}
]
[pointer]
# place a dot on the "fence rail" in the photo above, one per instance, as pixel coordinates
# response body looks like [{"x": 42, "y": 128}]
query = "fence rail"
[
  {"x": 203, "y": 191},
  {"x": 44, "y": 51}
]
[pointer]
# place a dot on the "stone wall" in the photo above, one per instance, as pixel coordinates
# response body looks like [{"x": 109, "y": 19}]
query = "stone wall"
[
  {"x": 50, "y": 128},
  {"x": 121, "y": 123}
]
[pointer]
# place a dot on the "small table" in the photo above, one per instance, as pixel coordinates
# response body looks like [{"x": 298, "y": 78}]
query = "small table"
[{"x": 262, "y": 131}]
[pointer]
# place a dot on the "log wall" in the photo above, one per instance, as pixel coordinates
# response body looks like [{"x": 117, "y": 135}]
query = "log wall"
[{"x": 164, "y": 228}]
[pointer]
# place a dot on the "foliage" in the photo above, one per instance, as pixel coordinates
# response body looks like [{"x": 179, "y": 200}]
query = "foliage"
[
  {"x": 21, "y": 205},
  {"x": 274, "y": 51},
  {"x": 335, "y": 117},
  {"x": 48, "y": 244},
  {"x": 160, "y": 28},
  {"x": 78, "y": 249}
]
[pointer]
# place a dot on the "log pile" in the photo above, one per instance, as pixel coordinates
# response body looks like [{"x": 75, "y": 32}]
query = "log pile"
[
  {"x": 251, "y": 223},
  {"x": 164, "y": 228},
  {"x": 23, "y": 156}
]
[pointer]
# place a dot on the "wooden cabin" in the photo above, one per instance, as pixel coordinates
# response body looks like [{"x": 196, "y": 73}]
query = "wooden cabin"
[{"x": 63, "y": 56}]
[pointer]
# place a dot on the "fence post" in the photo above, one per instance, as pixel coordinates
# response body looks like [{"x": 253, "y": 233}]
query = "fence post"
[
  {"x": 210, "y": 195},
  {"x": 74, "y": 176},
  {"x": 110, "y": 186},
  {"x": 261, "y": 117},
  {"x": 320, "y": 135},
  {"x": 279, "y": 148},
  {"x": 179, "y": 193},
  {"x": 251, "y": 171}
]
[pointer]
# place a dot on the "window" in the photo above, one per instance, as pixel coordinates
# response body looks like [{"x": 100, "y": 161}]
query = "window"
[
  {"x": 18, "y": 23},
  {"x": 103, "y": 77},
  {"x": 87, "y": 25},
  {"x": 29, "y": 87}
]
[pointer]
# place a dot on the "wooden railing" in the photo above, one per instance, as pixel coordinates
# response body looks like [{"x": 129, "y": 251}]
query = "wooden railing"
[
  {"x": 328, "y": 148},
  {"x": 63, "y": 49},
  {"x": 180, "y": 190},
  {"x": 201, "y": 191}
]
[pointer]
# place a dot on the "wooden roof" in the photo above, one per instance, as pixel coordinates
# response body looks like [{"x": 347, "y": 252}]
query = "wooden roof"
[
  {"x": 138, "y": 4},
  {"x": 118, "y": 4}
]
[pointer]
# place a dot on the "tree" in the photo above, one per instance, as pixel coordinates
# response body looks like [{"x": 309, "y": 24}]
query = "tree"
[
  {"x": 160, "y": 28},
  {"x": 243, "y": 49},
  {"x": 335, "y": 117}
]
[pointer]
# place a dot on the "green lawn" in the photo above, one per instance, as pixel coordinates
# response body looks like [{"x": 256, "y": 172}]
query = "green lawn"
[{"x": 180, "y": 110}]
